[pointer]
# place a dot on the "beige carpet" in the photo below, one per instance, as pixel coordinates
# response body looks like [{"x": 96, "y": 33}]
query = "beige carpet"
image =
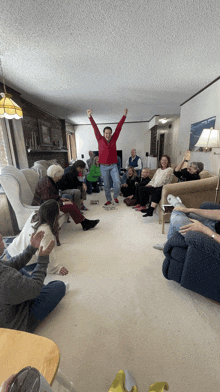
[{"x": 121, "y": 313}]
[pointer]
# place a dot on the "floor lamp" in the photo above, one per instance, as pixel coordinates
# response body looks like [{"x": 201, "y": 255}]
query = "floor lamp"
[{"x": 210, "y": 138}]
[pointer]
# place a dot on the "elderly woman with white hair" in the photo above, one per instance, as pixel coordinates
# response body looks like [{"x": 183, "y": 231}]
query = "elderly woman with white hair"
[{"x": 46, "y": 189}]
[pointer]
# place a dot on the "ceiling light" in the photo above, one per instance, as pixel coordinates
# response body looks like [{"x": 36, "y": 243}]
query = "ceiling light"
[
  {"x": 163, "y": 120},
  {"x": 8, "y": 108}
]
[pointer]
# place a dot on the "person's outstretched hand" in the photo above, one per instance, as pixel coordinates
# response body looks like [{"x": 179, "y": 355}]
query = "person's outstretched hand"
[
  {"x": 36, "y": 239},
  {"x": 63, "y": 271},
  {"x": 47, "y": 250},
  {"x": 89, "y": 112},
  {"x": 126, "y": 112}
]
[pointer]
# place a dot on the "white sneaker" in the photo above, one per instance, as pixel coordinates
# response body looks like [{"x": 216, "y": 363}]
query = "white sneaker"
[
  {"x": 159, "y": 246},
  {"x": 174, "y": 201},
  {"x": 67, "y": 287}
]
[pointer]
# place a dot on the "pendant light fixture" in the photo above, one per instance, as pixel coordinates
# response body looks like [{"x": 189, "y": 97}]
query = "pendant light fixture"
[{"x": 8, "y": 108}]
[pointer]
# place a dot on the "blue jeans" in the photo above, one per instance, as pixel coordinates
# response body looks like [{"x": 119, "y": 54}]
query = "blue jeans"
[
  {"x": 179, "y": 219},
  {"x": 91, "y": 184},
  {"x": 111, "y": 172},
  {"x": 47, "y": 300}
]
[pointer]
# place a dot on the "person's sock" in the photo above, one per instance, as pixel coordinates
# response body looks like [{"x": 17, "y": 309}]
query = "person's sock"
[
  {"x": 150, "y": 212},
  {"x": 174, "y": 201},
  {"x": 89, "y": 224},
  {"x": 67, "y": 287},
  {"x": 159, "y": 246}
]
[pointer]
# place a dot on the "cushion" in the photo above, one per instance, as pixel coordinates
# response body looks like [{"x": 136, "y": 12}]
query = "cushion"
[
  {"x": 205, "y": 174},
  {"x": 32, "y": 178},
  {"x": 26, "y": 194}
]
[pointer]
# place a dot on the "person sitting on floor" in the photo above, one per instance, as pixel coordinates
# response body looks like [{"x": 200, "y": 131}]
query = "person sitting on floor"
[
  {"x": 188, "y": 172},
  {"x": 162, "y": 176},
  {"x": 129, "y": 188},
  {"x": 145, "y": 179},
  {"x": 46, "y": 189},
  {"x": 24, "y": 300},
  {"x": 70, "y": 185},
  {"x": 93, "y": 176},
  {"x": 134, "y": 161},
  {"x": 185, "y": 219},
  {"x": 45, "y": 219}
]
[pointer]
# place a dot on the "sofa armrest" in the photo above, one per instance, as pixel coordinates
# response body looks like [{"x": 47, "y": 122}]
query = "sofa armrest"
[
  {"x": 192, "y": 193},
  {"x": 203, "y": 243}
]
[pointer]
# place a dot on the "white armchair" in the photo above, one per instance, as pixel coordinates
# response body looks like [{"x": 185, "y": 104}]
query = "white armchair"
[
  {"x": 19, "y": 192},
  {"x": 19, "y": 187}
]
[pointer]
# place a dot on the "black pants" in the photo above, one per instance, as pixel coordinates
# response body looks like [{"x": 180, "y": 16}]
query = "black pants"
[
  {"x": 127, "y": 191},
  {"x": 146, "y": 191}
]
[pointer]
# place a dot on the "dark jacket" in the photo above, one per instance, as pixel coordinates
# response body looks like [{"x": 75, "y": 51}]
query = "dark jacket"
[
  {"x": 184, "y": 175},
  {"x": 69, "y": 180},
  {"x": 46, "y": 189}
]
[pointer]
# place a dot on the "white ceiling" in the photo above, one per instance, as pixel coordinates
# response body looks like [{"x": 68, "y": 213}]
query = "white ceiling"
[{"x": 67, "y": 56}]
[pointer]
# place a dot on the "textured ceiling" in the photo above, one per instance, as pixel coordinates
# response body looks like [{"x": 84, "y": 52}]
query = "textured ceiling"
[{"x": 149, "y": 56}]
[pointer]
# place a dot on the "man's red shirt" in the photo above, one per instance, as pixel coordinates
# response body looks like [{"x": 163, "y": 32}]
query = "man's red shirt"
[{"x": 107, "y": 150}]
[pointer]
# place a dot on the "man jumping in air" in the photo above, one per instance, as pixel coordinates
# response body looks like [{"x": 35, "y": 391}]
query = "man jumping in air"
[{"x": 108, "y": 156}]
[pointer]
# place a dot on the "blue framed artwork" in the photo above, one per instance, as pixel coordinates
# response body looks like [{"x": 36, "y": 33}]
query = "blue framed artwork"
[{"x": 196, "y": 130}]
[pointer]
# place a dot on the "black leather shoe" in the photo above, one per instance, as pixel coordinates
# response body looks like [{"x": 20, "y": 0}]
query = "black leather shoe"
[{"x": 89, "y": 224}]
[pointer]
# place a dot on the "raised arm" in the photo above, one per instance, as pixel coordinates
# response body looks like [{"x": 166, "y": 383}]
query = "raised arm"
[
  {"x": 96, "y": 130},
  {"x": 119, "y": 126},
  {"x": 184, "y": 163}
]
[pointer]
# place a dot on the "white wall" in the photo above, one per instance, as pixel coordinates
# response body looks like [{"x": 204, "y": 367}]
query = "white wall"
[
  {"x": 202, "y": 106},
  {"x": 133, "y": 135}
]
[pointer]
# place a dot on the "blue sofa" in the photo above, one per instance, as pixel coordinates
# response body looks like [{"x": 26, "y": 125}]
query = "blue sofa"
[{"x": 193, "y": 261}]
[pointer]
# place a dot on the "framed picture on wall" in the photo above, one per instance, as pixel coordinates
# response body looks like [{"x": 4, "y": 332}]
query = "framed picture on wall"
[
  {"x": 45, "y": 133},
  {"x": 196, "y": 130}
]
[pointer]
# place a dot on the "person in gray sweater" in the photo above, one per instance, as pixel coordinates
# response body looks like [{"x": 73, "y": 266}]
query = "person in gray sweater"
[{"x": 24, "y": 300}]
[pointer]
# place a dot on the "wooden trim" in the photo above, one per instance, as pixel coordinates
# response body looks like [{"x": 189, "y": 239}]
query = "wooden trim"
[{"x": 204, "y": 88}]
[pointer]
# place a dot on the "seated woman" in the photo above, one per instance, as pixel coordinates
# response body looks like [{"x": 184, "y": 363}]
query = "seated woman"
[
  {"x": 93, "y": 176},
  {"x": 24, "y": 300},
  {"x": 45, "y": 219},
  {"x": 46, "y": 189},
  {"x": 145, "y": 179},
  {"x": 205, "y": 220},
  {"x": 162, "y": 176},
  {"x": 188, "y": 172},
  {"x": 70, "y": 185},
  {"x": 129, "y": 188}
]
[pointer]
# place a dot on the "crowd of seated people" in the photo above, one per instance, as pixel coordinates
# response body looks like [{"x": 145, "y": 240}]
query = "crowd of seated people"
[
  {"x": 22, "y": 296},
  {"x": 70, "y": 185},
  {"x": 47, "y": 189}
]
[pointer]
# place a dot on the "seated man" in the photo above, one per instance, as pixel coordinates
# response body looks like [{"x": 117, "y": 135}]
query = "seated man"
[
  {"x": 70, "y": 184},
  {"x": 185, "y": 219},
  {"x": 24, "y": 300},
  {"x": 135, "y": 162},
  {"x": 188, "y": 172},
  {"x": 89, "y": 161}
]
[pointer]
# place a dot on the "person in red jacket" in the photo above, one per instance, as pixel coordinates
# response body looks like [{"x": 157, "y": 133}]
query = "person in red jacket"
[{"x": 108, "y": 156}]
